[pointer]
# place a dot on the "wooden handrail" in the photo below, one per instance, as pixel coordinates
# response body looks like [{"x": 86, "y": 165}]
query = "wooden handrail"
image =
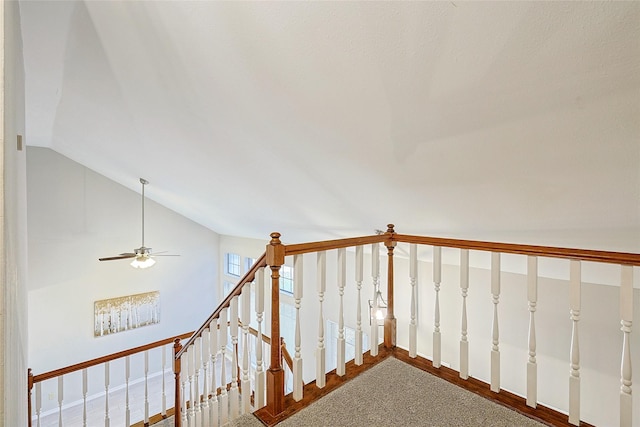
[
  {"x": 247, "y": 278},
  {"x": 276, "y": 252},
  {"x": 609, "y": 257},
  {"x": 100, "y": 360},
  {"x": 511, "y": 248},
  {"x": 285, "y": 354},
  {"x": 302, "y": 248}
]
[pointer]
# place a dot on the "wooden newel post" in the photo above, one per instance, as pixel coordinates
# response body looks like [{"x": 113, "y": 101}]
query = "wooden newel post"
[
  {"x": 390, "y": 320},
  {"x": 275, "y": 374},
  {"x": 29, "y": 388},
  {"x": 176, "y": 371}
]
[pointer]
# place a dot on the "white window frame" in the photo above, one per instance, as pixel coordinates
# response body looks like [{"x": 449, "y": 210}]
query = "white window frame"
[{"x": 232, "y": 263}]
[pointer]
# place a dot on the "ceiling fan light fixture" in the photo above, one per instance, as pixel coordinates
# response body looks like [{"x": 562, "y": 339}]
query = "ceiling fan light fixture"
[
  {"x": 142, "y": 255},
  {"x": 143, "y": 261}
]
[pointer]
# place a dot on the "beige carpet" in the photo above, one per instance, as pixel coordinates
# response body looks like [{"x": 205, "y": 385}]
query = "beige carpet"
[{"x": 393, "y": 393}]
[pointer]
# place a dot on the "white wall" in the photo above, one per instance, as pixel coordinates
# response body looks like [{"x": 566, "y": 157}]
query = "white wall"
[
  {"x": 76, "y": 216},
  {"x": 13, "y": 231}
]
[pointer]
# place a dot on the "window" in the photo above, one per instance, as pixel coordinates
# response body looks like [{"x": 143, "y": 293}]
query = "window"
[
  {"x": 232, "y": 264},
  {"x": 286, "y": 279},
  {"x": 248, "y": 263}
]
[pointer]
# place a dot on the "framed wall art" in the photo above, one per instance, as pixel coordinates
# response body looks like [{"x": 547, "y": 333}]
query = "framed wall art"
[{"x": 124, "y": 313}]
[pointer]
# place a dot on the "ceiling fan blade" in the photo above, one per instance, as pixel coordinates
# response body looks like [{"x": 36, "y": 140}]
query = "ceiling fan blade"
[
  {"x": 123, "y": 256},
  {"x": 161, "y": 253}
]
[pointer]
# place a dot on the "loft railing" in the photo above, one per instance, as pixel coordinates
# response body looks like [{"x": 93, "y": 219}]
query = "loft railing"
[
  {"x": 94, "y": 379},
  {"x": 414, "y": 330},
  {"x": 208, "y": 393}
]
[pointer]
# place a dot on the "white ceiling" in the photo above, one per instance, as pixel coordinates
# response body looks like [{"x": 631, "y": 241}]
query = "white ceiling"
[{"x": 511, "y": 121}]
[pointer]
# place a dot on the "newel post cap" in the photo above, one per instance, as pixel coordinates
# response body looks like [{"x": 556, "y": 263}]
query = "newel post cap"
[{"x": 275, "y": 250}]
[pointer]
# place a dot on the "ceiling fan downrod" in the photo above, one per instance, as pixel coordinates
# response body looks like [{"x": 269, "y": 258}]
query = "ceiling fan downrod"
[{"x": 143, "y": 182}]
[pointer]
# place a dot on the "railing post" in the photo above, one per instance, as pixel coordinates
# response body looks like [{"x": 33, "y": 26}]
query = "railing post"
[
  {"x": 275, "y": 374},
  {"x": 390, "y": 320},
  {"x": 29, "y": 388},
  {"x": 176, "y": 371}
]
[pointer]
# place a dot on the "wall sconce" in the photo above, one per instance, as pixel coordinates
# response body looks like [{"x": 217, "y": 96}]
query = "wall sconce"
[{"x": 377, "y": 309}]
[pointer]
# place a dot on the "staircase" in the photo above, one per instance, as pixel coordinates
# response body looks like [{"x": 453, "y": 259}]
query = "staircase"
[{"x": 485, "y": 316}]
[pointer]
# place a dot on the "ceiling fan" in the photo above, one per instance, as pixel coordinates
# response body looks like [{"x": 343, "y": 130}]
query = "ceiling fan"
[{"x": 143, "y": 257}]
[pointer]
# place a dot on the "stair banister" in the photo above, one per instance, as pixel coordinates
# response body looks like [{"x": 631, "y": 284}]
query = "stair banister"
[
  {"x": 390, "y": 320},
  {"x": 177, "y": 347},
  {"x": 275, "y": 253}
]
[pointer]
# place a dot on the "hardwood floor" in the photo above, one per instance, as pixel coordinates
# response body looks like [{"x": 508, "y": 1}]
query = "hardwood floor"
[{"x": 73, "y": 416}]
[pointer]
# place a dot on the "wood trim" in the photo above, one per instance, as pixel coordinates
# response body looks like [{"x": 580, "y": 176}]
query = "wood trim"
[
  {"x": 325, "y": 245},
  {"x": 285, "y": 354},
  {"x": 155, "y": 418},
  {"x": 312, "y": 393},
  {"x": 29, "y": 389},
  {"x": 104, "y": 359},
  {"x": 512, "y": 401},
  {"x": 625, "y": 258},
  {"x": 510, "y": 248},
  {"x": 390, "y": 319}
]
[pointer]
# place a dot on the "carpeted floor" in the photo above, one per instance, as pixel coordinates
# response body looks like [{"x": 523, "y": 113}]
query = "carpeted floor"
[{"x": 393, "y": 393}]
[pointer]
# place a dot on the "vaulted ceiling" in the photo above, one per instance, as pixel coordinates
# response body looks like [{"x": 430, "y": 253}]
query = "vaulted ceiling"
[{"x": 511, "y": 121}]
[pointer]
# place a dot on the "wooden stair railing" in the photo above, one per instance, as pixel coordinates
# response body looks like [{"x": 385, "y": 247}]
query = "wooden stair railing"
[
  {"x": 202, "y": 348},
  {"x": 36, "y": 380}
]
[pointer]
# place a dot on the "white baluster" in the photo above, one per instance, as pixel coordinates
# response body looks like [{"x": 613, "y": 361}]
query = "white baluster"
[
  {"x": 107, "y": 420},
  {"x": 85, "y": 388},
  {"x": 495, "y": 348},
  {"x": 626, "y": 315},
  {"x": 191, "y": 413},
  {"x": 213, "y": 350},
  {"x": 260, "y": 392},
  {"x": 413, "y": 274},
  {"x": 375, "y": 276},
  {"x": 184, "y": 369},
  {"x": 224, "y": 397},
  {"x": 206, "y": 357},
  {"x": 532, "y": 297},
  {"x": 359, "y": 276},
  {"x": 127, "y": 375},
  {"x": 146, "y": 386},
  {"x": 574, "y": 374},
  {"x": 245, "y": 318},
  {"x": 197, "y": 366},
  {"x": 298, "y": 383},
  {"x": 342, "y": 279},
  {"x": 38, "y": 402},
  {"x": 464, "y": 287},
  {"x": 321, "y": 375},
  {"x": 60, "y": 398},
  {"x": 164, "y": 388},
  {"x": 234, "y": 397},
  {"x": 437, "y": 278}
]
